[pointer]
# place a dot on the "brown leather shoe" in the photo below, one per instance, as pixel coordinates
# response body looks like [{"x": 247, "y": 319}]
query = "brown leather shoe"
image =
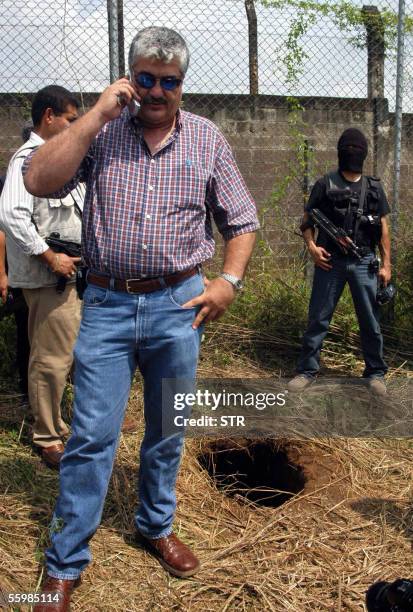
[
  {"x": 172, "y": 554},
  {"x": 52, "y": 455},
  {"x": 55, "y": 586},
  {"x": 129, "y": 425}
]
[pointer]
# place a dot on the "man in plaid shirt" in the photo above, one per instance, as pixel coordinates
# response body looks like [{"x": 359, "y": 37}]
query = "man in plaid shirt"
[{"x": 155, "y": 178}]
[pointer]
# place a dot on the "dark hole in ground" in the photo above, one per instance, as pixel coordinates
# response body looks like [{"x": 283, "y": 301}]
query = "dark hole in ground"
[{"x": 260, "y": 471}]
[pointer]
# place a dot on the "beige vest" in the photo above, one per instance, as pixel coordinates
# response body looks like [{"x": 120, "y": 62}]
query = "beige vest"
[{"x": 49, "y": 215}]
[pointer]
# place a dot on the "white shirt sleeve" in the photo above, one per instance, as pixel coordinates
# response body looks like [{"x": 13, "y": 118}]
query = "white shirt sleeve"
[{"x": 16, "y": 209}]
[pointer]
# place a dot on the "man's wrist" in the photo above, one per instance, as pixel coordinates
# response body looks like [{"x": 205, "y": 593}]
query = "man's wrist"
[
  {"x": 50, "y": 259},
  {"x": 311, "y": 245},
  {"x": 96, "y": 118},
  {"x": 308, "y": 237},
  {"x": 236, "y": 282}
]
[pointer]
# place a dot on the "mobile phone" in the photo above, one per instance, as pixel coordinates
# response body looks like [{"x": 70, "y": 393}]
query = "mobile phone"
[{"x": 133, "y": 107}]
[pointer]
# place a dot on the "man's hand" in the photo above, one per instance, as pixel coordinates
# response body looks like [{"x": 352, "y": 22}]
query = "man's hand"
[
  {"x": 385, "y": 275},
  {"x": 217, "y": 296},
  {"x": 114, "y": 98},
  {"x": 59, "y": 263},
  {"x": 320, "y": 256},
  {"x": 4, "y": 282},
  {"x": 63, "y": 265}
]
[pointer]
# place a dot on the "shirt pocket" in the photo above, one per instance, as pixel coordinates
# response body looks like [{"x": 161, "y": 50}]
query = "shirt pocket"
[
  {"x": 192, "y": 180},
  {"x": 373, "y": 203},
  {"x": 57, "y": 202},
  {"x": 60, "y": 216}
]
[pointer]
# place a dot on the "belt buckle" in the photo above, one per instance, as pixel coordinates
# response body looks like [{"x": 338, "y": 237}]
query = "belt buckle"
[{"x": 131, "y": 280}]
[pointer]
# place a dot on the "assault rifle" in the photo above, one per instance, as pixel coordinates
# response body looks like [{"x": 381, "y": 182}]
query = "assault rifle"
[
  {"x": 340, "y": 237},
  {"x": 72, "y": 249}
]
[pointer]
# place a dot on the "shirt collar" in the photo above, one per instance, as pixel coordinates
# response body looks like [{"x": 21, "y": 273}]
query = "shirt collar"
[
  {"x": 135, "y": 121},
  {"x": 178, "y": 119},
  {"x": 35, "y": 139}
]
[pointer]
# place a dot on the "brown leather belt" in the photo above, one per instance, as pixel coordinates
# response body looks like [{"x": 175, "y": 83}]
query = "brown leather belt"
[{"x": 138, "y": 285}]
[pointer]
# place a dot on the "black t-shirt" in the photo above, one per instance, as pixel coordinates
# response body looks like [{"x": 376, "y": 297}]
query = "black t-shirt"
[{"x": 318, "y": 199}]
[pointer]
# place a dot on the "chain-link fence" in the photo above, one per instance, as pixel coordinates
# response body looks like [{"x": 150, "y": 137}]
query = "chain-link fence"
[
  {"x": 67, "y": 42},
  {"x": 282, "y": 78}
]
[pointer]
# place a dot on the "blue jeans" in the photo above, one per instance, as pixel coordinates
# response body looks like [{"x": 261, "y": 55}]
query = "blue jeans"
[
  {"x": 327, "y": 289},
  {"x": 118, "y": 333}
]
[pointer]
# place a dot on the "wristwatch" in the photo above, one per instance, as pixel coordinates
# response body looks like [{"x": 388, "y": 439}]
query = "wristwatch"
[{"x": 235, "y": 282}]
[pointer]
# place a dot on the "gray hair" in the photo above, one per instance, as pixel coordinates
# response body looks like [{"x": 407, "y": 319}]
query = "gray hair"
[{"x": 159, "y": 43}]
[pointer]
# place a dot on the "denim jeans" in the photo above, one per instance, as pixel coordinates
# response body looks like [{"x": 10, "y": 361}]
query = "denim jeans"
[
  {"x": 118, "y": 333},
  {"x": 327, "y": 289}
]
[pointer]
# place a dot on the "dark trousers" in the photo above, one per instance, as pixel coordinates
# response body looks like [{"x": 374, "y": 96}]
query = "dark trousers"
[
  {"x": 16, "y": 305},
  {"x": 326, "y": 291},
  {"x": 22, "y": 346}
]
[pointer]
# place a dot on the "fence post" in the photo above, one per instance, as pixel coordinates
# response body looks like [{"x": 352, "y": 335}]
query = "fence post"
[
  {"x": 308, "y": 183},
  {"x": 373, "y": 22},
  {"x": 113, "y": 32},
  {"x": 398, "y": 132},
  {"x": 121, "y": 39},
  {"x": 253, "y": 45}
]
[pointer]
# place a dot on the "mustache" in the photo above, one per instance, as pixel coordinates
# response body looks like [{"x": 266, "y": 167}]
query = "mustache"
[{"x": 148, "y": 99}]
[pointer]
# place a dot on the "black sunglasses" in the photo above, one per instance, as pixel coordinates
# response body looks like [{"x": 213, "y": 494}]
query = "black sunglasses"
[{"x": 148, "y": 80}]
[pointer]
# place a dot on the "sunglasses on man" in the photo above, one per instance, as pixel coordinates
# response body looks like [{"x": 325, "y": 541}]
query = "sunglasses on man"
[{"x": 148, "y": 80}]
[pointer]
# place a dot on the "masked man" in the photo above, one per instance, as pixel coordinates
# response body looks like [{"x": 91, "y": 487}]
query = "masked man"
[{"x": 357, "y": 204}]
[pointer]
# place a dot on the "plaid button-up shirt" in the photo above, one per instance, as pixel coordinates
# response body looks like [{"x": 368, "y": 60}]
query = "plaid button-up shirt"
[{"x": 150, "y": 215}]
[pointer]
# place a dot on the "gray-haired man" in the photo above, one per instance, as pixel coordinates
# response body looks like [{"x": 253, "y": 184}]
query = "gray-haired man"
[{"x": 153, "y": 182}]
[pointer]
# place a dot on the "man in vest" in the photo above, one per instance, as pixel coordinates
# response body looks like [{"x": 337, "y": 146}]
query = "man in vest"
[
  {"x": 54, "y": 317},
  {"x": 359, "y": 205}
]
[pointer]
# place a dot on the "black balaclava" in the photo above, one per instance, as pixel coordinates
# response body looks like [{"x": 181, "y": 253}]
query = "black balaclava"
[{"x": 352, "y": 150}]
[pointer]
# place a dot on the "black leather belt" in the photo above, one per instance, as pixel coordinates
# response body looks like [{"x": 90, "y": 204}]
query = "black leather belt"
[{"x": 138, "y": 285}]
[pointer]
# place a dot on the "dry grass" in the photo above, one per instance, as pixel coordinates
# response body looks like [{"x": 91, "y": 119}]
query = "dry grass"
[{"x": 352, "y": 525}]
